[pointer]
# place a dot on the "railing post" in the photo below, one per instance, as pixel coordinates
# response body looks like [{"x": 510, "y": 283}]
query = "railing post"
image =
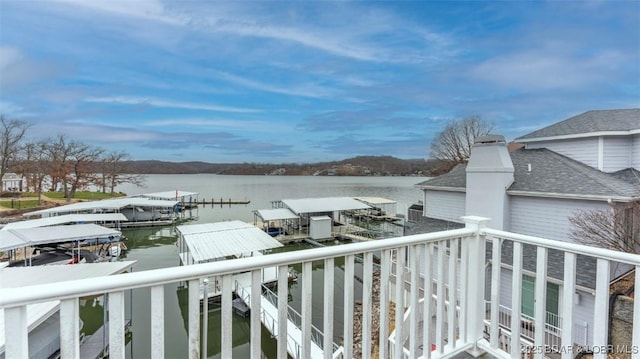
[
  {"x": 16, "y": 332},
  {"x": 475, "y": 281},
  {"x": 69, "y": 328}
]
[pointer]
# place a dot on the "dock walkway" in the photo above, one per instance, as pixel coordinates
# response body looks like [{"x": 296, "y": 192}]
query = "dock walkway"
[
  {"x": 96, "y": 345},
  {"x": 269, "y": 318}
]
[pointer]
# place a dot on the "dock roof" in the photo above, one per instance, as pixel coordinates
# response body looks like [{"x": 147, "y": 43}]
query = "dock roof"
[
  {"x": 217, "y": 240},
  {"x": 66, "y": 219},
  {"x": 114, "y": 204},
  {"x": 375, "y": 200},
  {"x": 168, "y": 195},
  {"x": 276, "y": 214},
  {"x": 327, "y": 204},
  {"x": 23, "y": 237}
]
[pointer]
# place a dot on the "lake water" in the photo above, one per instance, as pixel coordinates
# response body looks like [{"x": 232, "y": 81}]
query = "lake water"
[{"x": 155, "y": 248}]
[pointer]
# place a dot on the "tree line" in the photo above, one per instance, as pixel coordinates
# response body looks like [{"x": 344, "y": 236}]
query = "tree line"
[{"x": 60, "y": 164}]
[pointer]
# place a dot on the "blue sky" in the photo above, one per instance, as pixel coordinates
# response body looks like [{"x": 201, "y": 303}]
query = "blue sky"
[{"x": 308, "y": 81}]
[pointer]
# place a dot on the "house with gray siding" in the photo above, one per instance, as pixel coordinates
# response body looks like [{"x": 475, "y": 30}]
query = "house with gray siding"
[{"x": 587, "y": 162}]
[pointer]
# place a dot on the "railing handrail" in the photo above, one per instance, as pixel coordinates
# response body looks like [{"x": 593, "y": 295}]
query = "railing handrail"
[
  {"x": 580, "y": 249},
  {"x": 12, "y": 297}
]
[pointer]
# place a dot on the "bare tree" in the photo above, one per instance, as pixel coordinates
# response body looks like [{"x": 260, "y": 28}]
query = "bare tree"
[
  {"x": 11, "y": 134},
  {"x": 115, "y": 170},
  {"x": 615, "y": 228},
  {"x": 34, "y": 165},
  {"x": 453, "y": 144},
  {"x": 72, "y": 165}
]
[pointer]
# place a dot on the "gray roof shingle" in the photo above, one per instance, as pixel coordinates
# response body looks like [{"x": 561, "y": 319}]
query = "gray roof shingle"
[
  {"x": 553, "y": 173},
  {"x": 457, "y": 178},
  {"x": 590, "y": 121}
]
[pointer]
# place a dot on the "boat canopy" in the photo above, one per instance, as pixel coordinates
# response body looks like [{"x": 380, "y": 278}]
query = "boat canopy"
[
  {"x": 66, "y": 219},
  {"x": 327, "y": 204},
  {"x": 375, "y": 200},
  {"x": 276, "y": 214},
  {"x": 169, "y": 195},
  {"x": 24, "y": 237},
  {"x": 104, "y": 205},
  {"x": 208, "y": 241}
]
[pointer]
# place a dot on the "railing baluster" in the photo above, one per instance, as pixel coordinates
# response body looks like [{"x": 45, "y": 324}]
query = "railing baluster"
[
  {"x": 464, "y": 290},
  {"x": 328, "y": 307},
  {"x": 540, "y": 301},
  {"x": 194, "y": 318},
  {"x": 157, "y": 321},
  {"x": 367, "y": 292},
  {"x": 349, "y": 274},
  {"x": 516, "y": 300},
  {"x": 413, "y": 301},
  {"x": 453, "y": 287},
  {"x": 635, "y": 342},
  {"x": 256, "y": 324},
  {"x": 306, "y": 304},
  {"x": 227, "y": 316},
  {"x": 601, "y": 312},
  {"x": 205, "y": 317},
  {"x": 69, "y": 328},
  {"x": 428, "y": 298},
  {"x": 385, "y": 271},
  {"x": 567, "y": 303},
  {"x": 440, "y": 298},
  {"x": 496, "y": 271},
  {"x": 399, "y": 299},
  {"x": 116, "y": 325},
  {"x": 283, "y": 309},
  {"x": 16, "y": 332}
]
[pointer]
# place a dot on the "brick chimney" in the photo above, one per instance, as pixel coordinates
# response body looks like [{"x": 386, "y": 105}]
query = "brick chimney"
[{"x": 489, "y": 174}]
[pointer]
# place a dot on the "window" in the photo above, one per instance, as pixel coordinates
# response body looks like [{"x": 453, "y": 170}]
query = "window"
[{"x": 552, "y": 300}]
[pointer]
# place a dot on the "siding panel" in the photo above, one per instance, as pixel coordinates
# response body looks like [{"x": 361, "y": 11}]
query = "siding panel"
[
  {"x": 546, "y": 217},
  {"x": 617, "y": 153},
  {"x": 584, "y": 150},
  {"x": 635, "y": 152},
  {"x": 448, "y": 206}
]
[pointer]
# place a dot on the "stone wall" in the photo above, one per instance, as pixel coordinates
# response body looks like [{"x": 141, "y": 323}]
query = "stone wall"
[{"x": 622, "y": 326}]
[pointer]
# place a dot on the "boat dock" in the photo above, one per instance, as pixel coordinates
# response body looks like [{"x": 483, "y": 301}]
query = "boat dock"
[
  {"x": 221, "y": 201},
  {"x": 206, "y": 242}
]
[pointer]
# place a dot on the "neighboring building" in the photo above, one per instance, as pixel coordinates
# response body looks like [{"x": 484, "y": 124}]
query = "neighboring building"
[
  {"x": 11, "y": 182},
  {"x": 587, "y": 162}
]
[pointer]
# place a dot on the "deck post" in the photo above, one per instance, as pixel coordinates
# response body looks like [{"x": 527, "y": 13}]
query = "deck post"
[
  {"x": 475, "y": 281},
  {"x": 69, "y": 333},
  {"x": 16, "y": 332}
]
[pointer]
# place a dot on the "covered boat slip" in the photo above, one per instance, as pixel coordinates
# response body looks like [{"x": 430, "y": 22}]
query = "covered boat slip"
[
  {"x": 321, "y": 218},
  {"x": 103, "y": 219},
  {"x": 186, "y": 199},
  {"x": 12, "y": 239},
  {"x": 275, "y": 222},
  {"x": 381, "y": 208},
  {"x": 209, "y": 242},
  {"x": 138, "y": 210},
  {"x": 41, "y": 317}
]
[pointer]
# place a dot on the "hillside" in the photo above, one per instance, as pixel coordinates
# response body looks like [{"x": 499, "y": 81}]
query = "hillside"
[{"x": 356, "y": 166}]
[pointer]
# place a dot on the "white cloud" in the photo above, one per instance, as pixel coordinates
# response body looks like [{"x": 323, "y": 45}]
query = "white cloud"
[
  {"x": 309, "y": 90},
  {"x": 545, "y": 70},
  {"x": 221, "y": 124},
  {"x": 151, "y": 10},
  {"x": 147, "y": 101},
  {"x": 18, "y": 69}
]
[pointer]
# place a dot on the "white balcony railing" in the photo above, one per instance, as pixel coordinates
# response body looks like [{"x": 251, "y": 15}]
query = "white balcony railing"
[{"x": 415, "y": 259}]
